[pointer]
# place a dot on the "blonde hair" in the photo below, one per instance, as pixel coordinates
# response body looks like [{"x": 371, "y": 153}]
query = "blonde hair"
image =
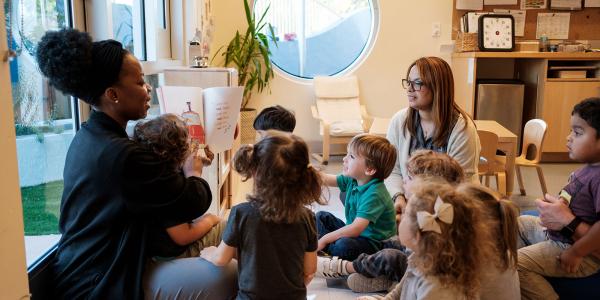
[
  {"x": 284, "y": 183},
  {"x": 454, "y": 256},
  {"x": 436, "y": 75},
  {"x": 428, "y": 163},
  {"x": 500, "y": 215},
  {"x": 378, "y": 152}
]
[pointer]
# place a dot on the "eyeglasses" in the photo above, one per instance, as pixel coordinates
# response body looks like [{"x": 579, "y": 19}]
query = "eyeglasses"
[{"x": 415, "y": 85}]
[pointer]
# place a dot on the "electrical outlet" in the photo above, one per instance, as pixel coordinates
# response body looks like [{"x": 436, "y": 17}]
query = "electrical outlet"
[{"x": 436, "y": 30}]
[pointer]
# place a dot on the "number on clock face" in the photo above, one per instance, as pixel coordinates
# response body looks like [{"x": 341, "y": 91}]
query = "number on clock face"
[{"x": 497, "y": 33}]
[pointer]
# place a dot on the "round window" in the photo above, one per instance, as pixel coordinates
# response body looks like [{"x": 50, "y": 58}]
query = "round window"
[{"x": 318, "y": 37}]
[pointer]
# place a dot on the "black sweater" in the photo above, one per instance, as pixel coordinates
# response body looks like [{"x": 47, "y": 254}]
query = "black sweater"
[{"x": 113, "y": 191}]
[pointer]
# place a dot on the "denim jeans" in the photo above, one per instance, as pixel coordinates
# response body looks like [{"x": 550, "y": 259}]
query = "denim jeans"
[
  {"x": 539, "y": 260},
  {"x": 346, "y": 248},
  {"x": 390, "y": 263}
]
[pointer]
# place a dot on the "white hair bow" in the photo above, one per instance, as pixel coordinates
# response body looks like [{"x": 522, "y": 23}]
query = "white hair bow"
[{"x": 442, "y": 211}]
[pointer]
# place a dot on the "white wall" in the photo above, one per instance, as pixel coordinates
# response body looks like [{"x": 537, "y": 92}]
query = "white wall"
[
  {"x": 404, "y": 35},
  {"x": 13, "y": 278}
]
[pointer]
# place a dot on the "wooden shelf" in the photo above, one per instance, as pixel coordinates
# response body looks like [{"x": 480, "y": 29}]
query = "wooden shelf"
[
  {"x": 573, "y": 79},
  {"x": 529, "y": 54}
]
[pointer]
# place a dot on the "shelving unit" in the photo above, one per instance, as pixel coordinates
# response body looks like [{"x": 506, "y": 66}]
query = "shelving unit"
[{"x": 547, "y": 96}]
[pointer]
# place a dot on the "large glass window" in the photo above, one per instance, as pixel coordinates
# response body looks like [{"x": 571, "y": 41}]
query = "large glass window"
[
  {"x": 128, "y": 25},
  {"x": 44, "y": 120},
  {"x": 318, "y": 37}
]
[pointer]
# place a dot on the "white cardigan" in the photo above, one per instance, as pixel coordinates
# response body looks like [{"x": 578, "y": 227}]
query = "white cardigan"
[{"x": 463, "y": 146}]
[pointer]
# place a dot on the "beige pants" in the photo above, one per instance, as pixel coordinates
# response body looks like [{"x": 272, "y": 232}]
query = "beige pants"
[{"x": 539, "y": 260}]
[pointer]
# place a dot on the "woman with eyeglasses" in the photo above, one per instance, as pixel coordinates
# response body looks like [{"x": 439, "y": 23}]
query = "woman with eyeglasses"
[{"x": 431, "y": 121}]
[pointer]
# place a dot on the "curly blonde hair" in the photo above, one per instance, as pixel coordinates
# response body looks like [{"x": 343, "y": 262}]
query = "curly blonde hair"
[
  {"x": 454, "y": 256},
  {"x": 166, "y": 136},
  {"x": 284, "y": 182},
  {"x": 428, "y": 163}
]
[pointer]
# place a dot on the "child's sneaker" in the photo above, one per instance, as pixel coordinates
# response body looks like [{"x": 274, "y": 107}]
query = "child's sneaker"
[
  {"x": 361, "y": 284},
  {"x": 330, "y": 267}
]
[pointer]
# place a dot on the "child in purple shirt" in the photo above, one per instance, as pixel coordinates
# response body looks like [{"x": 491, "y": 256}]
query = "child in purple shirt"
[{"x": 560, "y": 253}]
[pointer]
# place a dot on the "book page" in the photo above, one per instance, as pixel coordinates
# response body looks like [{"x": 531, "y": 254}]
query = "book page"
[
  {"x": 174, "y": 100},
  {"x": 222, "y": 111}
]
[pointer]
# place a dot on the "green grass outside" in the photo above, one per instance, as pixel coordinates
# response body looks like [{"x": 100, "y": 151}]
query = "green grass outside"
[{"x": 41, "y": 206}]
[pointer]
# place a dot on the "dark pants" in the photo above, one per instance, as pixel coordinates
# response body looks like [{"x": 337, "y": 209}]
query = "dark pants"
[
  {"x": 390, "y": 263},
  {"x": 346, "y": 248}
]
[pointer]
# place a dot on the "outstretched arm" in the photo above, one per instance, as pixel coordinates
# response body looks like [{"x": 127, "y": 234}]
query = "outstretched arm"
[
  {"x": 328, "y": 179},
  {"x": 220, "y": 256},
  {"x": 186, "y": 233}
]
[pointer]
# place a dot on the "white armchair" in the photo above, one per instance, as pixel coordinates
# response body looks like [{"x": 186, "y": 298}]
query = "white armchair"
[{"x": 339, "y": 112}]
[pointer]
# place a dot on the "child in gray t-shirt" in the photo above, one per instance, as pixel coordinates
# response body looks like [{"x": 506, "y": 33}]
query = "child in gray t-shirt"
[{"x": 273, "y": 235}]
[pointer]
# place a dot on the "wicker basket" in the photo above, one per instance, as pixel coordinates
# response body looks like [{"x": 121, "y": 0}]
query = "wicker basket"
[{"x": 466, "y": 42}]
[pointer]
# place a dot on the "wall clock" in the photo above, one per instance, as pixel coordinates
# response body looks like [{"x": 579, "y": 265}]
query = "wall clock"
[{"x": 496, "y": 33}]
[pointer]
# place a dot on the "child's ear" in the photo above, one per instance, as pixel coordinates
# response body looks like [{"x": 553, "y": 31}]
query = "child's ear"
[{"x": 370, "y": 171}]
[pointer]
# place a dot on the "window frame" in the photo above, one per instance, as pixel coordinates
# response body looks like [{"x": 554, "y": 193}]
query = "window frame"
[{"x": 360, "y": 59}]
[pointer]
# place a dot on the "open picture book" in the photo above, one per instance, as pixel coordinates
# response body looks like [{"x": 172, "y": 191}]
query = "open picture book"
[{"x": 211, "y": 114}]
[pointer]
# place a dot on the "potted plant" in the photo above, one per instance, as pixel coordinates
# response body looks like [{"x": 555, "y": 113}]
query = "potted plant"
[{"x": 249, "y": 53}]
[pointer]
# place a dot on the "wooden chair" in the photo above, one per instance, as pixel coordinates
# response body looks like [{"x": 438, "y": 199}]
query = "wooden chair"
[
  {"x": 533, "y": 136},
  {"x": 489, "y": 163},
  {"x": 339, "y": 112}
]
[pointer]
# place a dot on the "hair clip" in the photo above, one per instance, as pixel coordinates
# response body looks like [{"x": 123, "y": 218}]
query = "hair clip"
[{"x": 442, "y": 211}]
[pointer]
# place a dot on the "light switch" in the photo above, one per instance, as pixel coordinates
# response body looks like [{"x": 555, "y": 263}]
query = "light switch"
[{"x": 436, "y": 30}]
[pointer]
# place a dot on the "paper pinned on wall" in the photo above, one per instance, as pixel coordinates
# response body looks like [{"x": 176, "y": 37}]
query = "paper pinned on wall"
[
  {"x": 500, "y": 2},
  {"x": 592, "y": 3},
  {"x": 519, "y": 16},
  {"x": 533, "y": 4},
  {"x": 566, "y": 4},
  {"x": 553, "y": 25},
  {"x": 469, "y": 4}
]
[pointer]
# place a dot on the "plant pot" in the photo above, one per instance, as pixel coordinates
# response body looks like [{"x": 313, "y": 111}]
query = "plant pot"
[{"x": 247, "y": 116}]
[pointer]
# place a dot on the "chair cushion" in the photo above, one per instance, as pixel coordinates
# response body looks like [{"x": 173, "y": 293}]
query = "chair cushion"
[
  {"x": 346, "y": 128},
  {"x": 339, "y": 110}
]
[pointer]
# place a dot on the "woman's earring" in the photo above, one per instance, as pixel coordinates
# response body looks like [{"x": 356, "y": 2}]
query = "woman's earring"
[{"x": 116, "y": 100}]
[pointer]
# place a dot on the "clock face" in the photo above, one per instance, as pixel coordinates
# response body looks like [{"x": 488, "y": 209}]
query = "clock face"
[{"x": 497, "y": 33}]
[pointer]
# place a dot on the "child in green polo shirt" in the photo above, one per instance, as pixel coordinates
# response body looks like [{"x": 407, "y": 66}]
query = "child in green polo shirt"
[{"x": 369, "y": 210}]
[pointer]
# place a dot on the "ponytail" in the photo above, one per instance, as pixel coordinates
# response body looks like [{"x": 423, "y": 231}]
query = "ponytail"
[{"x": 508, "y": 214}]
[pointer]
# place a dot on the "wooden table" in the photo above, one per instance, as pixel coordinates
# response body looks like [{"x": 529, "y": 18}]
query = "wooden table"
[{"x": 507, "y": 142}]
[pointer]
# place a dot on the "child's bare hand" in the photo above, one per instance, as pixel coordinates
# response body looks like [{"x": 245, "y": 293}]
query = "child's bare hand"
[
  {"x": 569, "y": 260},
  {"x": 208, "y": 252},
  {"x": 208, "y": 156},
  {"x": 322, "y": 244},
  {"x": 193, "y": 165}
]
